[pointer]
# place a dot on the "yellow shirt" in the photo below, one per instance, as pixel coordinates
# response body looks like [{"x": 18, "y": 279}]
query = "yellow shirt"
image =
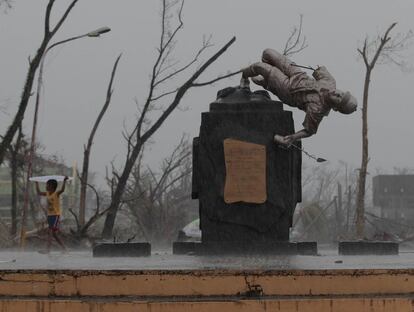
[{"x": 53, "y": 204}]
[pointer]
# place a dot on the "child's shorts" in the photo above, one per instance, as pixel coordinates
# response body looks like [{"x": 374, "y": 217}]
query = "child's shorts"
[{"x": 53, "y": 222}]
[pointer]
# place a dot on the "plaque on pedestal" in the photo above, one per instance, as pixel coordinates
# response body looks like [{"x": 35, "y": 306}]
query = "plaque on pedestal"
[{"x": 245, "y": 172}]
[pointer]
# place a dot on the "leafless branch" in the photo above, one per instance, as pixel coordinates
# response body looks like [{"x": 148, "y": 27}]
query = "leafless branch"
[
  {"x": 163, "y": 95},
  {"x": 33, "y": 66},
  {"x": 143, "y": 136},
  {"x": 151, "y": 195},
  {"x": 166, "y": 47},
  {"x": 88, "y": 146},
  {"x": 167, "y": 62},
  {"x": 296, "y": 42},
  {"x": 110, "y": 181},
  {"x": 75, "y": 216},
  {"x": 93, "y": 189},
  {"x": 202, "y": 84},
  {"x": 176, "y": 179},
  {"x": 135, "y": 198},
  {"x": 172, "y": 35},
  {"x": 206, "y": 44},
  {"x": 173, "y": 162},
  {"x": 7, "y": 3},
  {"x": 83, "y": 228},
  {"x": 183, "y": 89},
  {"x": 383, "y": 41},
  {"x": 64, "y": 16},
  {"x": 47, "y": 17},
  {"x": 386, "y": 49},
  {"x": 363, "y": 53},
  {"x": 109, "y": 93}
]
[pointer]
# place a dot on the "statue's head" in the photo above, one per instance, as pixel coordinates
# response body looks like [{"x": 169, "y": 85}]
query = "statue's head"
[{"x": 343, "y": 102}]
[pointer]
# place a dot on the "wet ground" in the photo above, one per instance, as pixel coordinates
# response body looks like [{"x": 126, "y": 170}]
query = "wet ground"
[{"x": 328, "y": 258}]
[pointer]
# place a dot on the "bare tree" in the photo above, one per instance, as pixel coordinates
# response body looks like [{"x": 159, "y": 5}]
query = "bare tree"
[
  {"x": 49, "y": 33},
  {"x": 160, "y": 202},
  {"x": 319, "y": 183},
  {"x": 164, "y": 70},
  {"x": 7, "y": 4},
  {"x": 88, "y": 146},
  {"x": 383, "y": 49},
  {"x": 82, "y": 229}
]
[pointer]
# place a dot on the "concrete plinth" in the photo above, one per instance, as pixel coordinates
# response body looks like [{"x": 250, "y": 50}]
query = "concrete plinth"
[
  {"x": 122, "y": 250},
  {"x": 307, "y": 248},
  {"x": 76, "y": 281},
  {"x": 241, "y": 248},
  {"x": 367, "y": 248},
  {"x": 207, "y": 290},
  {"x": 185, "y": 248}
]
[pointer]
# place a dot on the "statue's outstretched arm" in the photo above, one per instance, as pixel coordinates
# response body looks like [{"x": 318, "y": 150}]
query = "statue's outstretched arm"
[
  {"x": 310, "y": 126},
  {"x": 289, "y": 139}
]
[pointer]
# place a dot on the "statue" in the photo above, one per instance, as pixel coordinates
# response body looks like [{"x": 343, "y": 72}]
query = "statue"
[{"x": 279, "y": 75}]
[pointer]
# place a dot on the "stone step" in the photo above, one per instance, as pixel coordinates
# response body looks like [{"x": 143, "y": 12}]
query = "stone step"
[
  {"x": 276, "y": 248},
  {"x": 122, "y": 250}
]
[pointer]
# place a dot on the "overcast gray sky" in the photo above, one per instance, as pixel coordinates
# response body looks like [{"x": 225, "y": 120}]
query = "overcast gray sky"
[{"x": 76, "y": 75}]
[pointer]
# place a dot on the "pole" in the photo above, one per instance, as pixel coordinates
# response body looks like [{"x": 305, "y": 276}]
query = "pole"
[
  {"x": 336, "y": 232},
  {"x": 339, "y": 216},
  {"x": 29, "y": 174},
  {"x": 348, "y": 208},
  {"x": 32, "y": 149}
]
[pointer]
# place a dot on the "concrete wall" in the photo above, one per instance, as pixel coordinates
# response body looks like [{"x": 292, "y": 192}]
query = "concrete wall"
[
  {"x": 301, "y": 291},
  {"x": 290, "y": 305}
]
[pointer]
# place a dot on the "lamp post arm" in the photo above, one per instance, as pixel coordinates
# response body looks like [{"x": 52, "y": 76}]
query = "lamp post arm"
[
  {"x": 39, "y": 86},
  {"x": 62, "y": 42}
]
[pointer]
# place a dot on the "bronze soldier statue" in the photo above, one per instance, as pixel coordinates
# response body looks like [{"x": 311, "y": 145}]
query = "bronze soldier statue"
[{"x": 316, "y": 96}]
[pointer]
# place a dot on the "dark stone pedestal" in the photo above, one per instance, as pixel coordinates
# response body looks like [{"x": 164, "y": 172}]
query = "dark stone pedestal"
[
  {"x": 241, "y": 248},
  {"x": 307, "y": 248},
  {"x": 368, "y": 248},
  {"x": 122, "y": 250},
  {"x": 185, "y": 248},
  {"x": 233, "y": 248},
  {"x": 242, "y": 115}
]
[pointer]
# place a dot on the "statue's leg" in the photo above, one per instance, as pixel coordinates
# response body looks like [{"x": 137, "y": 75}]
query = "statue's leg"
[
  {"x": 279, "y": 84},
  {"x": 280, "y": 61}
]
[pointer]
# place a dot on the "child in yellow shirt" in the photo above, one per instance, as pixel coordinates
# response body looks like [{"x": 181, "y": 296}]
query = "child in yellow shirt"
[{"x": 53, "y": 209}]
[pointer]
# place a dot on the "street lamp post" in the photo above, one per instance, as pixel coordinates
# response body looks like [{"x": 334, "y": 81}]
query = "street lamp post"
[{"x": 92, "y": 34}]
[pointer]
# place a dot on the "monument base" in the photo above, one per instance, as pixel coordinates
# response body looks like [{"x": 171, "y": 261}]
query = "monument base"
[
  {"x": 208, "y": 289},
  {"x": 122, "y": 250},
  {"x": 307, "y": 248},
  {"x": 185, "y": 248},
  {"x": 241, "y": 248},
  {"x": 368, "y": 248}
]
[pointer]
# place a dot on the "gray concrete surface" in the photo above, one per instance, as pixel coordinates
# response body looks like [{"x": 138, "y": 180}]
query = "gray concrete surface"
[{"x": 164, "y": 260}]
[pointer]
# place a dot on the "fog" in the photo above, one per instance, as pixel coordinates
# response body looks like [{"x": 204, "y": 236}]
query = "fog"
[{"x": 76, "y": 74}]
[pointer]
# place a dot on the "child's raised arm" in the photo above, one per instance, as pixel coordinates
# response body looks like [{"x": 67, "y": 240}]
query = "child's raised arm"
[
  {"x": 63, "y": 186},
  {"x": 38, "y": 190}
]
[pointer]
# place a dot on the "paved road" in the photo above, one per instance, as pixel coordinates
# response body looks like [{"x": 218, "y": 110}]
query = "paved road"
[{"x": 162, "y": 260}]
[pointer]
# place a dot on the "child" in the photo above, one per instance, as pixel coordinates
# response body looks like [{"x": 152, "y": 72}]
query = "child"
[{"x": 53, "y": 210}]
